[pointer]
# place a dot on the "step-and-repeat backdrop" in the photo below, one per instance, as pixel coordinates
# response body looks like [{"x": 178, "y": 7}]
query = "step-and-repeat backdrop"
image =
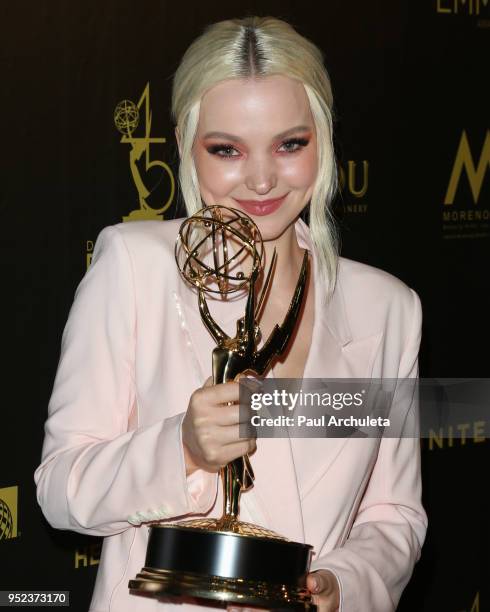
[{"x": 410, "y": 81}]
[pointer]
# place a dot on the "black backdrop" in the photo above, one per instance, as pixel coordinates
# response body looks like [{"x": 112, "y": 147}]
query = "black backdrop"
[{"x": 411, "y": 99}]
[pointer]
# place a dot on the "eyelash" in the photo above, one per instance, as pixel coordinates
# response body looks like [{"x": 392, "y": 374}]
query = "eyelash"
[{"x": 215, "y": 149}]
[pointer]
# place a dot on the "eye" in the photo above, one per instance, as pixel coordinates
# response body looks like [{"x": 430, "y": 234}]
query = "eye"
[
  {"x": 295, "y": 144},
  {"x": 218, "y": 148},
  {"x": 226, "y": 150}
]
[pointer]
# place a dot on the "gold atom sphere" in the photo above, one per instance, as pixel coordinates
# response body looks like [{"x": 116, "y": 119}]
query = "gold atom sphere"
[
  {"x": 126, "y": 117},
  {"x": 202, "y": 248}
]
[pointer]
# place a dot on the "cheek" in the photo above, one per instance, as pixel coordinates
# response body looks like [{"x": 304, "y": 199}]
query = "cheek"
[
  {"x": 217, "y": 177},
  {"x": 301, "y": 172}
]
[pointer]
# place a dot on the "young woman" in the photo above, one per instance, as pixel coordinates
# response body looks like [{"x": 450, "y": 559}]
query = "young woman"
[{"x": 137, "y": 433}]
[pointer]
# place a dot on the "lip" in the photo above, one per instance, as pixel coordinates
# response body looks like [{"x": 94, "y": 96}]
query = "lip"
[{"x": 261, "y": 208}]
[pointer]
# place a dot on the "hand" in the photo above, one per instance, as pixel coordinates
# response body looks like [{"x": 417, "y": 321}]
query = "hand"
[
  {"x": 322, "y": 584},
  {"x": 324, "y": 587},
  {"x": 210, "y": 428}
]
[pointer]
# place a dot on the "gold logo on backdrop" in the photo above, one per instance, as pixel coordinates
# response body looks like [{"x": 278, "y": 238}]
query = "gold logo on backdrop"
[
  {"x": 354, "y": 184},
  {"x": 127, "y": 120},
  {"x": 464, "y": 161},
  {"x": 153, "y": 200},
  {"x": 8, "y": 512},
  {"x": 462, "y": 434},
  {"x": 469, "y": 7},
  {"x": 89, "y": 252},
  {"x": 466, "y": 9},
  {"x": 88, "y": 555},
  {"x": 465, "y": 217},
  {"x": 475, "y": 606}
]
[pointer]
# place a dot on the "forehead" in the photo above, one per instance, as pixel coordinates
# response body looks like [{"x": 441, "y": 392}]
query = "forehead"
[{"x": 244, "y": 106}]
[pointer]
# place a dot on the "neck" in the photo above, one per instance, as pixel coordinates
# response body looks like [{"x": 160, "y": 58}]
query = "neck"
[
  {"x": 288, "y": 262},
  {"x": 289, "y": 258}
]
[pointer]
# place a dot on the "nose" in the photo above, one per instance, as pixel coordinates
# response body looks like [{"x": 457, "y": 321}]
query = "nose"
[{"x": 260, "y": 175}]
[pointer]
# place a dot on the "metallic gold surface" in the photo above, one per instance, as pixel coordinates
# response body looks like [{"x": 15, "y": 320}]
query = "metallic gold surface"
[
  {"x": 234, "y": 526},
  {"x": 258, "y": 567},
  {"x": 234, "y": 355},
  {"x": 164, "y": 584},
  {"x": 153, "y": 201}
]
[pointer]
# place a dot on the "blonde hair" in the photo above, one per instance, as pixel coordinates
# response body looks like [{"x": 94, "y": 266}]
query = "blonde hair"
[{"x": 259, "y": 47}]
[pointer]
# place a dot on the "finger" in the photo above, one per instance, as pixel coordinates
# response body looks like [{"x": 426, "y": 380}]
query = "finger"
[
  {"x": 313, "y": 583},
  {"x": 222, "y": 393},
  {"x": 316, "y": 582},
  {"x": 226, "y": 416},
  {"x": 324, "y": 603},
  {"x": 208, "y": 382},
  {"x": 230, "y": 434},
  {"x": 249, "y": 377},
  {"x": 232, "y": 451},
  {"x": 323, "y": 586},
  {"x": 250, "y": 392},
  {"x": 321, "y": 603},
  {"x": 245, "y": 416}
]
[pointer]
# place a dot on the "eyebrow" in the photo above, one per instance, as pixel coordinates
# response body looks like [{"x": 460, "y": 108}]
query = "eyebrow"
[{"x": 298, "y": 128}]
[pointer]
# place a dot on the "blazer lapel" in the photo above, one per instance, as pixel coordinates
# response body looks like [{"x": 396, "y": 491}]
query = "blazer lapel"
[{"x": 334, "y": 353}]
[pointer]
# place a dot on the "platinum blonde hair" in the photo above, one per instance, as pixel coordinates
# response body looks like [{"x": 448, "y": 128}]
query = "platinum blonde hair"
[{"x": 255, "y": 47}]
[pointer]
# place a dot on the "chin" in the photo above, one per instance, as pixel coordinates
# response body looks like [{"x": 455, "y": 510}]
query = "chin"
[{"x": 272, "y": 228}]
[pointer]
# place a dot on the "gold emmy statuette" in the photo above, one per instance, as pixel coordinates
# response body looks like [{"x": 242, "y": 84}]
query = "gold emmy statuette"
[{"x": 225, "y": 560}]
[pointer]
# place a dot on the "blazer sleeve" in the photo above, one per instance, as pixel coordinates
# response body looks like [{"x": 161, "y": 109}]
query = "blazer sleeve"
[
  {"x": 95, "y": 476},
  {"x": 376, "y": 562}
]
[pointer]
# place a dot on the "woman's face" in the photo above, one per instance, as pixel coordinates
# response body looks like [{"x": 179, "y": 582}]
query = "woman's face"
[{"x": 256, "y": 141}]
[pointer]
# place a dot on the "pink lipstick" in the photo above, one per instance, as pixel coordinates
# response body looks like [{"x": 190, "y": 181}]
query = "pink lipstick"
[{"x": 261, "y": 207}]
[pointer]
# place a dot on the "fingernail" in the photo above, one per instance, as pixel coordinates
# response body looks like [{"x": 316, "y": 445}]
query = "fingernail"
[
  {"x": 251, "y": 382},
  {"x": 314, "y": 585}
]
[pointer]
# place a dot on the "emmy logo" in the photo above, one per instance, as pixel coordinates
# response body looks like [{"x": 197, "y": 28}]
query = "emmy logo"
[
  {"x": 8, "y": 513},
  {"x": 155, "y": 194}
]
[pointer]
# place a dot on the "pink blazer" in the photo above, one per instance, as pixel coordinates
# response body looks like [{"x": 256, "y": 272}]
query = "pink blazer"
[{"x": 134, "y": 349}]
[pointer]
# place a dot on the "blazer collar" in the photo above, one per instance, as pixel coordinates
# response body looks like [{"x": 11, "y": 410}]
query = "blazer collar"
[{"x": 333, "y": 315}]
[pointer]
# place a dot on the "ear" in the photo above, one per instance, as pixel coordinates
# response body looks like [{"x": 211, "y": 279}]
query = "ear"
[{"x": 177, "y": 137}]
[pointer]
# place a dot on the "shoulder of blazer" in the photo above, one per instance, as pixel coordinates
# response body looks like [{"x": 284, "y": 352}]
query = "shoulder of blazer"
[
  {"x": 368, "y": 296},
  {"x": 150, "y": 234},
  {"x": 374, "y": 298},
  {"x": 151, "y": 244}
]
